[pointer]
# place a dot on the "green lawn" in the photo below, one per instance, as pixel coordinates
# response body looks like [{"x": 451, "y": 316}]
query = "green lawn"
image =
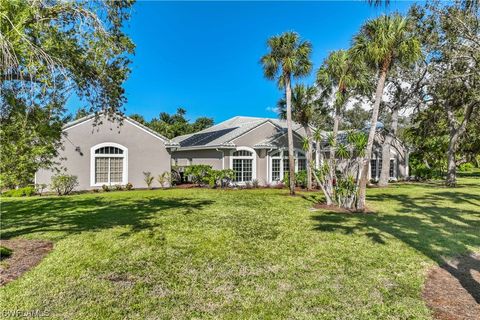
[{"x": 199, "y": 253}]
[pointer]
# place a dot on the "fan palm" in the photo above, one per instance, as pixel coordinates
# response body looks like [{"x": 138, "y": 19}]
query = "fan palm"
[
  {"x": 305, "y": 103},
  {"x": 382, "y": 43},
  {"x": 288, "y": 57}
]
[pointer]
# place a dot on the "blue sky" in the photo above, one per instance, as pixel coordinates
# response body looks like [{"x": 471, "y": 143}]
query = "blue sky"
[{"x": 203, "y": 56}]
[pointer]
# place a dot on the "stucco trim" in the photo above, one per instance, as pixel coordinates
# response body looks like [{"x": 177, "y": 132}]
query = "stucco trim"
[{"x": 92, "y": 162}]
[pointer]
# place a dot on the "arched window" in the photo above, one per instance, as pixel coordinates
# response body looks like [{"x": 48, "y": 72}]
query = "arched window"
[
  {"x": 243, "y": 163},
  {"x": 108, "y": 164},
  {"x": 279, "y": 164}
]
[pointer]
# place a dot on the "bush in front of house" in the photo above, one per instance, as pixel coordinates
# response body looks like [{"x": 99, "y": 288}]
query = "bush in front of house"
[
  {"x": 198, "y": 173},
  {"x": 5, "y": 252},
  {"x": 20, "y": 192},
  {"x": 148, "y": 178},
  {"x": 466, "y": 167},
  {"x": 128, "y": 186},
  {"x": 165, "y": 179},
  {"x": 64, "y": 184}
]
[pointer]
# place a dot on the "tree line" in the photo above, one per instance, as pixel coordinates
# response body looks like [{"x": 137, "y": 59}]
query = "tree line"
[{"x": 425, "y": 62}]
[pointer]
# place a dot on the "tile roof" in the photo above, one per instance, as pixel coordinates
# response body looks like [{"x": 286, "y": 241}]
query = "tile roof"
[{"x": 222, "y": 134}]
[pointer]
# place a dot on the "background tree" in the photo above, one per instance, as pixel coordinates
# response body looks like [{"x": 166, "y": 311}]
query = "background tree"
[
  {"x": 176, "y": 124},
  {"x": 288, "y": 57},
  {"x": 30, "y": 137},
  {"x": 405, "y": 90},
  {"x": 451, "y": 41},
  {"x": 382, "y": 43},
  {"x": 49, "y": 51},
  {"x": 305, "y": 103}
]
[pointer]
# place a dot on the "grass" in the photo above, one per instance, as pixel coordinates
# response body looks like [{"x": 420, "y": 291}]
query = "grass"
[{"x": 197, "y": 253}]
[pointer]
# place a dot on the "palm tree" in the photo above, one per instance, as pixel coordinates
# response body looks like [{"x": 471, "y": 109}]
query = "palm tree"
[
  {"x": 340, "y": 75},
  {"x": 305, "y": 103},
  {"x": 288, "y": 57},
  {"x": 382, "y": 43},
  {"x": 340, "y": 78}
]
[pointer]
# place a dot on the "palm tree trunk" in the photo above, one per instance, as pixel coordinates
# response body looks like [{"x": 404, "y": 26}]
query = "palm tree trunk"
[
  {"x": 362, "y": 192},
  {"x": 309, "y": 157},
  {"x": 291, "y": 159},
  {"x": 387, "y": 144}
]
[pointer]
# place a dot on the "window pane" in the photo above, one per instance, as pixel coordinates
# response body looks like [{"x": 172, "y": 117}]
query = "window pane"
[
  {"x": 116, "y": 170},
  {"x": 247, "y": 169},
  {"x": 237, "y": 167},
  {"x": 101, "y": 170},
  {"x": 286, "y": 166},
  {"x": 243, "y": 169},
  {"x": 242, "y": 153},
  {"x": 302, "y": 164},
  {"x": 109, "y": 150},
  {"x": 373, "y": 169},
  {"x": 392, "y": 169},
  {"x": 275, "y": 169}
]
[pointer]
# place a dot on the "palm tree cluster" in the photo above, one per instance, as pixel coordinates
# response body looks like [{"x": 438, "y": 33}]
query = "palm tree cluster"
[{"x": 381, "y": 44}]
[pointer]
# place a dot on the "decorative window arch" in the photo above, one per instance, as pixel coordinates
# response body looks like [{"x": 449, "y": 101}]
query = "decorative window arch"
[
  {"x": 243, "y": 160},
  {"x": 279, "y": 164},
  {"x": 108, "y": 164}
]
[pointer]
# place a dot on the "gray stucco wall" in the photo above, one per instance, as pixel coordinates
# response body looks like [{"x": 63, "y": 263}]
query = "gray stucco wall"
[
  {"x": 210, "y": 157},
  {"x": 146, "y": 152}
]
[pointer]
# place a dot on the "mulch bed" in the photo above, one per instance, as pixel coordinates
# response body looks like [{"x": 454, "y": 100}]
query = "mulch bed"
[
  {"x": 26, "y": 255},
  {"x": 452, "y": 291}
]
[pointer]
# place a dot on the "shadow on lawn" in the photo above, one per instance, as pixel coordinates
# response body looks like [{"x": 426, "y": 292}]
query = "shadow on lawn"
[
  {"x": 72, "y": 215},
  {"x": 437, "y": 231}
]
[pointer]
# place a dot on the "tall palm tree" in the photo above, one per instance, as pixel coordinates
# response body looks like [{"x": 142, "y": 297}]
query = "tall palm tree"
[
  {"x": 305, "y": 103},
  {"x": 288, "y": 57},
  {"x": 341, "y": 77},
  {"x": 382, "y": 43}
]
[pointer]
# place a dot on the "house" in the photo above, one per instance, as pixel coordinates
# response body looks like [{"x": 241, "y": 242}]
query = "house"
[
  {"x": 101, "y": 151},
  {"x": 105, "y": 152},
  {"x": 255, "y": 148}
]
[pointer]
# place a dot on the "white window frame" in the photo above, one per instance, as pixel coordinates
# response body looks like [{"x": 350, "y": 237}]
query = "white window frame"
[
  {"x": 377, "y": 167},
  {"x": 253, "y": 157},
  {"x": 282, "y": 159},
  {"x": 93, "y": 156}
]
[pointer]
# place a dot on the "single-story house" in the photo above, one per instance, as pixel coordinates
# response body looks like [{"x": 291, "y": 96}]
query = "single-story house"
[
  {"x": 109, "y": 152},
  {"x": 113, "y": 152}
]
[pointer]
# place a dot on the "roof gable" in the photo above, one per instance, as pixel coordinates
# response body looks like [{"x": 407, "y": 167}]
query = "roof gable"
[{"x": 136, "y": 124}]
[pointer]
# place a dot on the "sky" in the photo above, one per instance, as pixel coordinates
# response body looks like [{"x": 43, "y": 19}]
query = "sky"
[{"x": 204, "y": 56}]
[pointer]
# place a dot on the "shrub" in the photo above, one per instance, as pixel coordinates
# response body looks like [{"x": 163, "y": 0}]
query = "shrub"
[
  {"x": 5, "y": 252},
  {"x": 148, "y": 178},
  {"x": 129, "y": 186},
  {"x": 96, "y": 190},
  {"x": 118, "y": 187},
  {"x": 39, "y": 187},
  {"x": 199, "y": 173},
  {"x": 20, "y": 192},
  {"x": 248, "y": 185},
  {"x": 220, "y": 178},
  {"x": 164, "y": 179},
  {"x": 64, "y": 184},
  {"x": 255, "y": 183},
  {"x": 466, "y": 167},
  {"x": 301, "y": 178},
  {"x": 105, "y": 188}
]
